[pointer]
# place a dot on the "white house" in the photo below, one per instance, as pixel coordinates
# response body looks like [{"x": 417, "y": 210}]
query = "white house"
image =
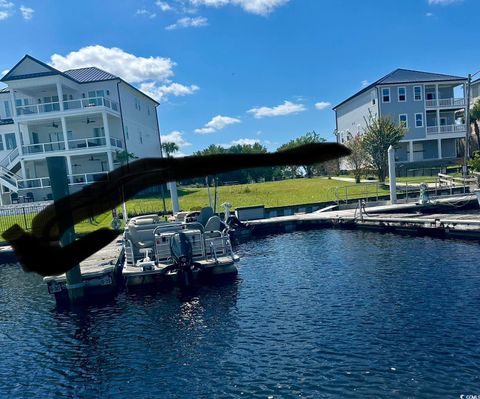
[{"x": 87, "y": 115}]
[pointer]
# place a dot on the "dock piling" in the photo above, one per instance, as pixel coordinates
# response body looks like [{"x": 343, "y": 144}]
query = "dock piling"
[{"x": 57, "y": 171}]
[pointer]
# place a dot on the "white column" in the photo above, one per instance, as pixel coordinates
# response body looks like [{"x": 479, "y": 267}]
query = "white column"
[
  {"x": 14, "y": 106},
  {"x": 438, "y": 120},
  {"x": 410, "y": 156},
  {"x": 436, "y": 94},
  {"x": 106, "y": 128},
  {"x": 19, "y": 138},
  {"x": 64, "y": 131},
  {"x": 392, "y": 175},
  {"x": 60, "y": 95},
  {"x": 22, "y": 169},
  {"x": 439, "y": 148},
  {"x": 69, "y": 165},
  {"x": 172, "y": 186}
]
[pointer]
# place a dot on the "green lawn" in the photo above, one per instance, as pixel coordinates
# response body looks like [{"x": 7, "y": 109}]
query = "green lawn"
[{"x": 270, "y": 194}]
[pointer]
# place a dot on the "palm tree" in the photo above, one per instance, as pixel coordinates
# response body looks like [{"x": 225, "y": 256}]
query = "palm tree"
[
  {"x": 170, "y": 148},
  {"x": 475, "y": 119}
]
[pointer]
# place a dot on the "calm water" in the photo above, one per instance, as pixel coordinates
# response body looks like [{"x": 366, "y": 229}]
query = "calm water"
[{"x": 317, "y": 314}]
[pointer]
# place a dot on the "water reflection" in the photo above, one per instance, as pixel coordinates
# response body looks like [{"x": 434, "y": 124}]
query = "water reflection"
[{"x": 317, "y": 314}]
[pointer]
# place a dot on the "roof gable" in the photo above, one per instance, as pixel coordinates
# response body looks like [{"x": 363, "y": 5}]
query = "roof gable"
[
  {"x": 29, "y": 67},
  {"x": 410, "y": 76},
  {"x": 405, "y": 76}
]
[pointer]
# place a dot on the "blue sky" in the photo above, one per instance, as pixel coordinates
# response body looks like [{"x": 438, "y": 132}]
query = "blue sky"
[{"x": 228, "y": 71}]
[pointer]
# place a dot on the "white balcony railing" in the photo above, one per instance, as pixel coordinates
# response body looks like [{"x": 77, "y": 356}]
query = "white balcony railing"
[
  {"x": 446, "y": 129},
  {"x": 40, "y": 148},
  {"x": 44, "y": 182},
  {"x": 86, "y": 178},
  {"x": 80, "y": 144},
  {"x": 445, "y": 103},
  {"x": 84, "y": 103},
  {"x": 77, "y": 144}
]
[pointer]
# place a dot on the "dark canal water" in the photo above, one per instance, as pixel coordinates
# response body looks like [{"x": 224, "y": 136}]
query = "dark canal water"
[{"x": 318, "y": 314}]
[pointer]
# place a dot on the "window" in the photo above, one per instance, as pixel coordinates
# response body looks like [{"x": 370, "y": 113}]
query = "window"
[
  {"x": 10, "y": 141},
  {"x": 1, "y": 142},
  {"x": 417, "y": 93},
  {"x": 403, "y": 120},
  {"x": 126, "y": 132},
  {"x": 402, "y": 94},
  {"x": 8, "y": 113},
  {"x": 418, "y": 120},
  {"x": 386, "y": 95}
]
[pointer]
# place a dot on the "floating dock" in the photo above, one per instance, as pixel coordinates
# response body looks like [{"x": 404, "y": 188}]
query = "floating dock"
[
  {"x": 446, "y": 217},
  {"x": 98, "y": 272}
]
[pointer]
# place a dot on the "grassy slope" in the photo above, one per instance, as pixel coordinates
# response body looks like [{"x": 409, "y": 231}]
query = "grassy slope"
[{"x": 270, "y": 194}]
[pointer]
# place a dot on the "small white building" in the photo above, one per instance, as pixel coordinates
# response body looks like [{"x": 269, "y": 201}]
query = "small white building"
[{"x": 87, "y": 115}]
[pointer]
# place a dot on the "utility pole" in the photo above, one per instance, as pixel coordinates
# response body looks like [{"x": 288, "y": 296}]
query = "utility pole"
[{"x": 467, "y": 125}]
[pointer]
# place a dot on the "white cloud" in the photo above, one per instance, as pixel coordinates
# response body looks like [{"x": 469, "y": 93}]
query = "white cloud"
[
  {"x": 6, "y": 9},
  {"x": 161, "y": 92},
  {"x": 364, "y": 83},
  {"x": 151, "y": 74},
  {"x": 443, "y": 2},
  {"x": 114, "y": 60},
  {"x": 4, "y": 72},
  {"x": 145, "y": 13},
  {"x": 163, "y": 5},
  {"x": 259, "y": 7},
  {"x": 177, "y": 138},
  {"x": 27, "y": 12},
  {"x": 217, "y": 123},
  {"x": 322, "y": 105},
  {"x": 286, "y": 108},
  {"x": 429, "y": 14},
  {"x": 188, "y": 22}
]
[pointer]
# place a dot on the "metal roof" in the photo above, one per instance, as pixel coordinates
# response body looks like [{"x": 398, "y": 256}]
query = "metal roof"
[
  {"x": 399, "y": 76},
  {"x": 409, "y": 76},
  {"x": 89, "y": 74}
]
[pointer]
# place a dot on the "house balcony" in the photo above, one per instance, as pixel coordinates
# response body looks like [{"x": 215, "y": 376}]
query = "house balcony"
[
  {"x": 445, "y": 103},
  {"x": 70, "y": 107},
  {"x": 446, "y": 129},
  {"x": 76, "y": 179},
  {"x": 72, "y": 145}
]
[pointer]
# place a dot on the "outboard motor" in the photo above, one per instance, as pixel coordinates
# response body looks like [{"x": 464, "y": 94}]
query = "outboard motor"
[{"x": 181, "y": 251}]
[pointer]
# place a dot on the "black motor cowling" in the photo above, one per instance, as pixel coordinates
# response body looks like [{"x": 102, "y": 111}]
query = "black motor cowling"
[{"x": 181, "y": 251}]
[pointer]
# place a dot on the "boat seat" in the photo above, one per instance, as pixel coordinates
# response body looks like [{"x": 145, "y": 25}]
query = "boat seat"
[
  {"x": 205, "y": 214},
  {"x": 213, "y": 224}
]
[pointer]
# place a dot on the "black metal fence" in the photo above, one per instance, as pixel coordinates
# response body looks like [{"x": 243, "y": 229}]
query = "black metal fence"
[{"x": 19, "y": 214}]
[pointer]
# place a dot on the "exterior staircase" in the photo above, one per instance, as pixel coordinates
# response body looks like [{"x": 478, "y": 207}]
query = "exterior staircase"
[{"x": 8, "y": 166}]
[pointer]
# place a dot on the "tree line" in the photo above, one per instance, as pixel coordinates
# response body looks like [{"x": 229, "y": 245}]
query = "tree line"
[{"x": 369, "y": 154}]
